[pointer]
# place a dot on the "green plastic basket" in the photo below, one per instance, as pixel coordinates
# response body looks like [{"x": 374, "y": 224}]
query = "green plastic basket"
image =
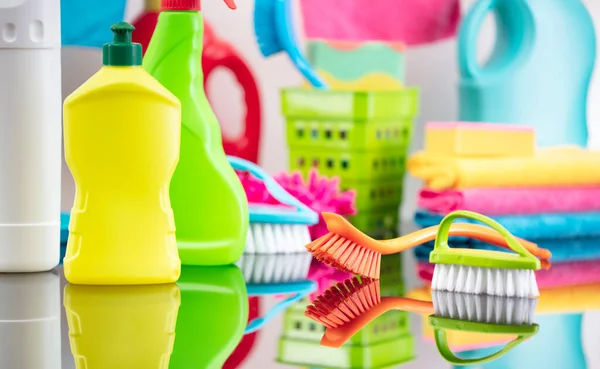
[
  {"x": 348, "y": 134},
  {"x": 349, "y": 105},
  {"x": 375, "y": 194},
  {"x": 350, "y": 165},
  {"x": 357, "y": 121}
]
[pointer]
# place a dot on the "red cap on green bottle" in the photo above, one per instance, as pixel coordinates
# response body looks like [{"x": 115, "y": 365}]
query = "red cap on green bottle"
[{"x": 183, "y": 5}]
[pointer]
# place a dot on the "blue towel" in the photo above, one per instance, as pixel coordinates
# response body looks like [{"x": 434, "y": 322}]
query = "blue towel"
[
  {"x": 563, "y": 251},
  {"x": 87, "y": 22},
  {"x": 534, "y": 227}
]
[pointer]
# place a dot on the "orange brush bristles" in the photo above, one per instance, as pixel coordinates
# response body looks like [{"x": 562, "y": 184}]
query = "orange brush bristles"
[
  {"x": 346, "y": 255},
  {"x": 344, "y": 302}
]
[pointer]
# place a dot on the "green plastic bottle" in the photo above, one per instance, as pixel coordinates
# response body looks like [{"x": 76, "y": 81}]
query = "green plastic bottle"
[
  {"x": 212, "y": 316},
  {"x": 208, "y": 200}
]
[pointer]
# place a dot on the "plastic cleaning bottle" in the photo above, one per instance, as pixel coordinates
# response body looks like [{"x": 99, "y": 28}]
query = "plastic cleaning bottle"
[
  {"x": 122, "y": 132},
  {"x": 30, "y": 135},
  {"x": 539, "y": 71},
  {"x": 212, "y": 316},
  {"x": 210, "y": 206},
  {"x": 122, "y": 327}
]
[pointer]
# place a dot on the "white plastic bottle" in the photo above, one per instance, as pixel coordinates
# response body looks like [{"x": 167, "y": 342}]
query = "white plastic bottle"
[{"x": 30, "y": 135}]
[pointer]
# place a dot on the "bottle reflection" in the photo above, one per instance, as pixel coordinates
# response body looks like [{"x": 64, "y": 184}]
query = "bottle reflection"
[
  {"x": 121, "y": 327},
  {"x": 30, "y": 321},
  {"x": 212, "y": 316}
]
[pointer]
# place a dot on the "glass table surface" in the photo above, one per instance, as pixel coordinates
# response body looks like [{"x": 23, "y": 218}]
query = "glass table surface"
[{"x": 252, "y": 316}]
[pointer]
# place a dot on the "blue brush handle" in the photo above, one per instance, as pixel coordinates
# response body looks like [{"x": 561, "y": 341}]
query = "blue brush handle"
[
  {"x": 301, "y": 290},
  {"x": 275, "y": 189},
  {"x": 287, "y": 37}
]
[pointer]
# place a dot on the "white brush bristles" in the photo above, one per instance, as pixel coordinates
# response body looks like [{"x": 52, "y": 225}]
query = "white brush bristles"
[
  {"x": 489, "y": 281},
  {"x": 484, "y": 308},
  {"x": 263, "y": 269},
  {"x": 266, "y": 238}
]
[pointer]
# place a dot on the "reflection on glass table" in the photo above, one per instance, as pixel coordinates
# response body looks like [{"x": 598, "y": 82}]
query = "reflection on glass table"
[{"x": 30, "y": 321}]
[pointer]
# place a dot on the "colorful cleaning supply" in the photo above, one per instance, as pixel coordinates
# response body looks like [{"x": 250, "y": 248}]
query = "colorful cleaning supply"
[
  {"x": 275, "y": 229},
  {"x": 523, "y": 82},
  {"x": 548, "y": 226},
  {"x": 122, "y": 132},
  {"x": 212, "y": 316},
  {"x": 467, "y": 312},
  {"x": 347, "y": 249},
  {"x": 30, "y": 135},
  {"x": 121, "y": 327},
  {"x": 482, "y": 272},
  {"x": 319, "y": 193},
  {"x": 555, "y": 167},
  {"x": 30, "y": 334},
  {"x": 461, "y": 139},
  {"x": 360, "y": 137},
  {"x": 275, "y": 32},
  {"x": 217, "y": 54},
  {"x": 367, "y": 66},
  {"x": 414, "y": 22},
  {"x": 209, "y": 204},
  {"x": 512, "y": 201}
]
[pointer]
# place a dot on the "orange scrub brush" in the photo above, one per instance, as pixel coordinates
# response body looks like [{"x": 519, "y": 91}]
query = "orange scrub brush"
[{"x": 348, "y": 249}]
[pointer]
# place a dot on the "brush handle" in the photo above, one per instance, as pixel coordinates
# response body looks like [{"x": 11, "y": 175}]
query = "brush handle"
[
  {"x": 286, "y": 34},
  {"x": 275, "y": 189},
  {"x": 258, "y": 323},
  {"x": 441, "y": 240},
  {"x": 441, "y": 342}
]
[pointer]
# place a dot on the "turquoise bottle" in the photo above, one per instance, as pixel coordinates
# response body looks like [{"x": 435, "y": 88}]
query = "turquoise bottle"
[{"x": 539, "y": 71}]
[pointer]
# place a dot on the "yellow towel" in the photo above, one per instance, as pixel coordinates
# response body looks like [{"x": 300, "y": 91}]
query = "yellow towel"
[
  {"x": 560, "y": 166},
  {"x": 564, "y": 300}
]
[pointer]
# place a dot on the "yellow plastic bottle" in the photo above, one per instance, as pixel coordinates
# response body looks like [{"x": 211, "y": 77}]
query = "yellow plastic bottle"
[{"x": 122, "y": 131}]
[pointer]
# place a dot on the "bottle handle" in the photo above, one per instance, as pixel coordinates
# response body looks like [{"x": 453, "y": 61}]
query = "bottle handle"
[
  {"x": 441, "y": 341},
  {"x": 511, "y": 51},
  {"x": 218, "y": 53}
]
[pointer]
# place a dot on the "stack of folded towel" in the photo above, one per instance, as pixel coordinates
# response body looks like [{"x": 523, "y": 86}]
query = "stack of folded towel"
[{"x": 549, "y": 196}]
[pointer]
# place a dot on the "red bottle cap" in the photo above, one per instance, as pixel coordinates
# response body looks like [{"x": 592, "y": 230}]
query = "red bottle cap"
[
  {"x": 189, "y": 4},
  {"x": 181, "y": 5}
]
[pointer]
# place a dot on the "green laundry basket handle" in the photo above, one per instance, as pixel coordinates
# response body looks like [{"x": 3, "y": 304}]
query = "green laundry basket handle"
[
  {"x": 441, "y": 240},
  {"x": 441, "y": 342}
]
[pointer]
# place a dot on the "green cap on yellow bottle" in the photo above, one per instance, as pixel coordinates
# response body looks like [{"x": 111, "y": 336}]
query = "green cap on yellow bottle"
[{"x": 122, "y": 51}]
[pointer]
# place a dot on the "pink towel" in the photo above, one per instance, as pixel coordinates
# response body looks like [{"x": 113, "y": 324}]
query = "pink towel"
[
  {"x": 559, "y": 275},
  {"x": 413, "y": 22},
  {"x": 512, "y": 201}
]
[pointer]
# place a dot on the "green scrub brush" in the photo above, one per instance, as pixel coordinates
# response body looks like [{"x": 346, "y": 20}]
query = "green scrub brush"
[{"x": 483, "y": 271}]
